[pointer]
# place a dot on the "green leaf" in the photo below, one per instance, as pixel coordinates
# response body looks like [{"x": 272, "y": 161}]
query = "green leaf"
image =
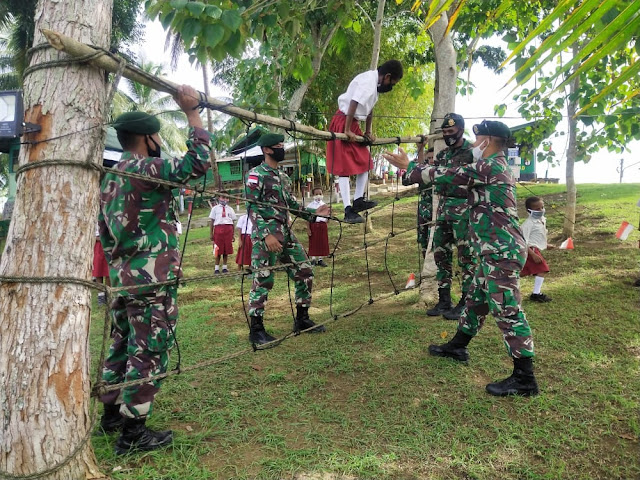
[
  {"x": 213, "y": 34},
  {"x": 234, "y": 44},
  {"x": 356, "y": 27},
  {"x": 166, "y": 19},
  {"x": 190, "y": 29},
  {"x": 213, "y": 11},
  {"x": 195, "y": 8},
  {"x": 232, "y": 19},
  {"x": 178, "y": 4}
]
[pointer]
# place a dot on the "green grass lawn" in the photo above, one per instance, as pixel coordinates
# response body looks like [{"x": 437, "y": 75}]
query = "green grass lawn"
[{"x": 365, "y": 401}]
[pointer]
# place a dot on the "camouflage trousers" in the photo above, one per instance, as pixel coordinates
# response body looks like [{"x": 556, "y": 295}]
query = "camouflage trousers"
[
  {"x": 140, "y": 349},
  {"x": 495, "y": 289},
  {"x": 452, "y": 229},
  {"x": 301, "y": 274},
  {"x": 425, "y": 213}
]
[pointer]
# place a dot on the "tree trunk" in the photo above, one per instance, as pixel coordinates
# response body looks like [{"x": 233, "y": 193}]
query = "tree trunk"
[
  {"x": 44, "y": 344},
  {"x": 444, "y": 101},
  {"x": 572, "y": 153},
  {"x": 377, "y": 33},
  {"x": 212, "y": 154}
]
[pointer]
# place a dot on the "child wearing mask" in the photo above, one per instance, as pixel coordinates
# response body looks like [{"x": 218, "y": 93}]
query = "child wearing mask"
[
  {"x": 318, "y": 232},
  {"x": 534, "y": 230},
  {"x": 221, "y": 232}
]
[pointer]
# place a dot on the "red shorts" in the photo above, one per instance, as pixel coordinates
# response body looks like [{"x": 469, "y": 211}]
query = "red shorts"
[
  {"x": 100, "y": 265},
  {"x": 533, "y": 268},
  {"x": 319, "y": 240},
  {"x": 222, "y": 236},
  {"x": 346, "y": 158},
  {"x": 244, "y": 252}
]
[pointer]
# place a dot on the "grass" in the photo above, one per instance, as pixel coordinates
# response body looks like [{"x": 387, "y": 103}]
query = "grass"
[{"x": 365, "y": 401}]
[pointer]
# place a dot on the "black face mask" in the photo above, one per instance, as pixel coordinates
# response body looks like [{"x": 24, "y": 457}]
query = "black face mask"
[
  {"x": 278, "y": 154},
  {"x": 451, "y": 140},
  {"x": 156, "y": 151},
  {"x": 384, "y": 88}
]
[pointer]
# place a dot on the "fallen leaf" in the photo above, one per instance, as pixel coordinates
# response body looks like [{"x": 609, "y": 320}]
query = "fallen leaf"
[
  {"x": 189, "y": 428},
  {"x": 256, "y": 367},
  {"x": 444, "y": 334},
  {"x": 628, "y": 436},
  {"x": 234, "y": 394}
]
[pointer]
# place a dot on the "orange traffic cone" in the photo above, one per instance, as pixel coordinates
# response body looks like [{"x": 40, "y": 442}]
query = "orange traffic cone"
[
  {"x": 567, "y": 244},
  {"x": 411, "y": 282}
]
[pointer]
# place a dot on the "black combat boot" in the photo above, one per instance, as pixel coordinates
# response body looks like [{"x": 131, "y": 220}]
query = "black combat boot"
[
  {"x": 136, "y": 436},
  {"x": 302, "y": 321},
  {"x": 521, "y": 382},
  {"x": 350, "y": 216},
  {"x": 111, "y": 420},
  {"x": 360, "y": 204},
  {"x": 444, "y": 303},
  {"x": 455, "y": 312},
  {"x": 455, "y": 348},
  {"x": 257, "y": 334}
]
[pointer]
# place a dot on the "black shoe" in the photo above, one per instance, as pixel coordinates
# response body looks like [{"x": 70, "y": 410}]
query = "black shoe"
[
  {"x": 314, "y": 262},
  {"x": 456, "y": 348},
  {"x": 111, "y": 420},
  {"x": 636, "y": 283},
  {"x": 360, "y": 204},
  {"x": 521, "y": 382},
  {"x": 352, "y": 217},
  {"x": 216, "y": 272},
  {"x": 539, "y": 297},
  {"x": 137, "y": 437},
  {"x": 302, "y": 321},
  {"x": 455, "y": 312},
  {"x": 444, "y": 303},
  {"x": 321, "y": 263},
  {"x": 102, "y": 299},
  {"x": 257, "y": 334}
]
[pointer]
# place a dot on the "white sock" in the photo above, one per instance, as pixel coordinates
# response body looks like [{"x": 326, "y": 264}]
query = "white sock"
[
  {"x": 217, "y": 268},
  {"x": 537, "y": 285},
  {"x": 343, "y": 182},
  {"x": 313, "y": 259},
  {"x": 224, "y": 267},
  {"x": 361, "y": 184}
]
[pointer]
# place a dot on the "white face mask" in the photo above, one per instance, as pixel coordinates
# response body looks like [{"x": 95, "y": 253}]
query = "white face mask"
[
  {"x": 317, "y": 198},
  {"x": 478, "y": 151}
]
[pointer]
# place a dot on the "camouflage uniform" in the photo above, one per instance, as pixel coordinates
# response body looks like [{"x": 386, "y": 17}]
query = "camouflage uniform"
[
  {"x": 425, "y": 208},
  {"x": 267, "y": 184},
  {"x": 497, "y": 242},
  {"x": 452, "y": 221},
  {"x": 138, "y": 232}
]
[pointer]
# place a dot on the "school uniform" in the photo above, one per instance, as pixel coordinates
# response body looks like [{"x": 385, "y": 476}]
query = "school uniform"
[
  {"x": 534, "y": 231},
  {"x": 223, "y": 217},
  {"x": 319, "y": 239},
  {"x": 245, "y": 225}
]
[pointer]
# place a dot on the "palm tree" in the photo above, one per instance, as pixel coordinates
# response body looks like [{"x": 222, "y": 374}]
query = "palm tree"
[{"x": 141, "y": 98}]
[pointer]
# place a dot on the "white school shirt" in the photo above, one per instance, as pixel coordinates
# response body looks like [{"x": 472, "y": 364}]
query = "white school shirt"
[
  {"x": 245, "y": 225},
  {"x": 222, "y": 215},
  {"x": 314, "y": 205},
  {"x": 534, "y": 231},
  {"x": 364, "y": 90}
]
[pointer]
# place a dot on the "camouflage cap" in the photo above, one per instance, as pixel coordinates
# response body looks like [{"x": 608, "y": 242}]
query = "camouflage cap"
[
  {"x": 453, "y": 120},
  {"x": 137, "y": 122},
  {"x": 270, "y": 139},
  {"x": 492, "y": 129}
]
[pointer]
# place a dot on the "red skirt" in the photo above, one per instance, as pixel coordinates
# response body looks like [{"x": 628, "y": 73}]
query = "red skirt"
[
  {"x": 319, "y": 240},
  {"x": 244, "y": 252},
  {"x": 533, "y": 268},
  {"x": 346, "y": 158},
  {"x": 100, "y": 265},
  {"x": 222, "y": 236}
]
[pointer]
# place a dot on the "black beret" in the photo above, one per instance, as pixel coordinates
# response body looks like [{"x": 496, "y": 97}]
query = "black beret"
[
  {"x": 270, "y": 139},
  {"x": 453, "y": 120},
  {"x": 137, "y": 122},
  {"x": 492, "y": 129}
]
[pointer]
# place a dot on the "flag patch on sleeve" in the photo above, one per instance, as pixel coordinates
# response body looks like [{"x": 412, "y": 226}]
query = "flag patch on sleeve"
[{"x": 253, "y": 180}]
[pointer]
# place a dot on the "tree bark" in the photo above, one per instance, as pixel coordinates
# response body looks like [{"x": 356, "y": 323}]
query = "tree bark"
[
  {"x": 572, "y": 153},
  {"x": 44, "y": 340},
  {"x": 444, "y": 101},
  {"x": 212, "y": 153},
  {"x": 377, "y": 34}
]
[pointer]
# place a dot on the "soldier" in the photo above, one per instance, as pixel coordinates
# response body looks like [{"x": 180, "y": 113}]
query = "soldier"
[
  {"x": 452, "y": 221},
  {"x": 138, "y": 232},
  {"x": 498, "y": 244},
  {"x": 425, "y": 202},
  {"x": 273, "y": 240}
]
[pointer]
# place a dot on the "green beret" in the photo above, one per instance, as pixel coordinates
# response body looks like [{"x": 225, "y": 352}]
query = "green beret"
[
  {"x": 453, "y": 120},
  {"x": 137, "y": 122},
  {"x": 270, "y": 139},
  {"x": 492, "y": 129}
]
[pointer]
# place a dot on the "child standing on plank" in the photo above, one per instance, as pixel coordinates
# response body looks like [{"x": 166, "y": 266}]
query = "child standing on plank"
[
  {"x": 318, "y": 232},
  {"x": 534, "y": 230},
  {"x": 245, "y": 227},
  {"x": 345, "y": 158},
  {"x": 222, "y": 235}
]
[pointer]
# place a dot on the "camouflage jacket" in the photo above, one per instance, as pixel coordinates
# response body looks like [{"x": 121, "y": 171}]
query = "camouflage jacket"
[
  {"x": 426, "y": 190},
  {"x": 137, "y": 220},
  {"x": 494, "y": 228},
  {"x": 273, "y": 187},
  {"x": 453, "y": 158}
]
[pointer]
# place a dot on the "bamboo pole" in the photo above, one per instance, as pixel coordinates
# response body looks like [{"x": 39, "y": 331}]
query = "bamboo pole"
[{"x": 111, "y": 63}]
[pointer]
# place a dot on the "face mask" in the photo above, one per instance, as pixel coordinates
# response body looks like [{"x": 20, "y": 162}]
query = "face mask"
[
  {"x": 384, "y": 88},
  {"x": 478, "y": 151},
  {"x": 537, "y": 213},
  {"x": 451, "y": 140},
  {"x": 156, "y": 151},
  {"x": 317, "y": 198},
  {"x": 223, "y": 202},
  {"x": 278, "y": 154}
]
